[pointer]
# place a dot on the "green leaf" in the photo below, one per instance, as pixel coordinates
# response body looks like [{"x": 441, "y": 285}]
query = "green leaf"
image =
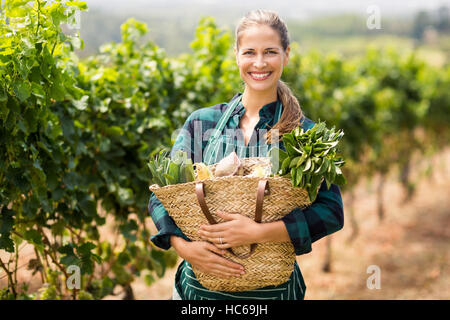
[
  {"x": 33, "y": 236},
  {"x": 302, "y": 159},
  {"x": 182, "y": 173},
  {"x": 6, "y": 243},
  {"x": 328, "y": 183},
  {"x": 294, "y": 162},
  {"x": 340, "y": 180},
  {"x": 129, "y": 229},
  {"x": 126, "y": 196},
  {"x": 190, "y": 174},
  {"x": 332, "y": 172},
  {"x": 285, "y": 165},
  {"x": 86, "y": 248},
  {"x": 299, "y": 177},
  {"x": 293, "y": 175},
  {"x": 315, "y": 182},
  {"x": 312, "y": 195},
  {"x": 288, "y": 139},
  {"x": 324, "y": 167},
  {"x": 88, "y": 206},
  {"x": 82, "y": 103},
  {"x": 292, "y": 151},
  {"x": 6, "y": 225},
  {"x": 308, "y": 150},
  {"x": 159, "y": 262},
  {"x": 69, "y": 257},
  {"x": 3, "y": 95},
  {"x": 123, "y": 258},
  {"x": 114, "y": 131},
  {"x": 174, "y": 172},
  {"x": 22, "y": 90},
  {"x": 169, "y": 179},
  {"x": 308, "y": 165}
]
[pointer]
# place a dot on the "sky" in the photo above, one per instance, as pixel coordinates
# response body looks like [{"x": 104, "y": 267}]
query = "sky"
[{"x": 291, "y": 8}]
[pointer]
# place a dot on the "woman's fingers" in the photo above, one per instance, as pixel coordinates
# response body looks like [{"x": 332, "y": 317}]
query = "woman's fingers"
[
  {"x": 214, "y": 237},
  {"x": 224, "y": 246},
  {"x": 224, "y": 271},
  {"x": 224, "y": 265},
  {"x": 227, "y": 216},
  {"x": 215, "y": 227},
  {"x": 214, "y": 249},
  {"x": 219, "y": 241}
]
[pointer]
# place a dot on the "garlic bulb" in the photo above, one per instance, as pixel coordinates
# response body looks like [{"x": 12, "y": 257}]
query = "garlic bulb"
[{"x": 228, "y": 166}]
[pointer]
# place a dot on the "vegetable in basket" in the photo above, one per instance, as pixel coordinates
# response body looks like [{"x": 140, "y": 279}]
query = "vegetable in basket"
[
  {"x": 309, "y": 158},
  {"x": 229, "y": 166},
  {"x": 165, "y": 171}
]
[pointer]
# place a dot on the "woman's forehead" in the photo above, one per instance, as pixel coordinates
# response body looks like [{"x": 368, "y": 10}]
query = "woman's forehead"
[{"x": 260, "y": 36}]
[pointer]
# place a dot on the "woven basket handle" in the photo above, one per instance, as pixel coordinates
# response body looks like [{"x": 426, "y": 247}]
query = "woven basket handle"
[{"x": 263, "y": 189}]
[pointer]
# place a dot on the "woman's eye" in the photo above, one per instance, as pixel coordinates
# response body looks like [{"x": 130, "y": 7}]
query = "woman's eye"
[
  {"x": 272, "y": 52},
  {"x": 248, "y": 52}
]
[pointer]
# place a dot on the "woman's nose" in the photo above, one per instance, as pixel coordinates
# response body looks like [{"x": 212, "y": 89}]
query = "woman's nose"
[{"x": 260, "y": 62}]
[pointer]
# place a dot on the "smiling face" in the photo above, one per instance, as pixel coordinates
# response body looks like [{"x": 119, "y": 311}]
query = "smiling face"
[{"x": 261, "y": 58}]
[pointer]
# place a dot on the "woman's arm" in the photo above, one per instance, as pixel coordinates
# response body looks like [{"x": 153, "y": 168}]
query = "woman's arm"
[
  {"x": 163, "y": 222},
  {"x": 324, "y": 217}
]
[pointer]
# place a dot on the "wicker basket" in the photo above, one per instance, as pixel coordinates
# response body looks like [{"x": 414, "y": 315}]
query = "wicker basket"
[{"x": 266, "y": 263}]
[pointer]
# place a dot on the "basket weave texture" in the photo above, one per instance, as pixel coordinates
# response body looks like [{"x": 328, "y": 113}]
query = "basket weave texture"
[{"x": 271, "y": 263}]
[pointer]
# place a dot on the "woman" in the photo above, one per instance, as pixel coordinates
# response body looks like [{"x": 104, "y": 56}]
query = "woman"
[{"x": 262, "y": 50}]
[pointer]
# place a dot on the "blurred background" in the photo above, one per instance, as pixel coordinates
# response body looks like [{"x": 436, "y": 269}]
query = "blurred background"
[
  {"x": 84, "y": 107},
  {"x": 323, "y": 25}
]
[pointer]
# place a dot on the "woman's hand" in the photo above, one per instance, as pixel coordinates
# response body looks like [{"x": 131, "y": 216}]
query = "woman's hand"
[
  {"x": 237, "y": 230},
  {"x": 206, "y": 257}
]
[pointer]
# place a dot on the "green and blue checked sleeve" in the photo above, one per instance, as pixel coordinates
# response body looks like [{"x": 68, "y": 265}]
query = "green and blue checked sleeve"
[
  {"x": 163, "y": 222},
  {"x": 325, "y": 216}
]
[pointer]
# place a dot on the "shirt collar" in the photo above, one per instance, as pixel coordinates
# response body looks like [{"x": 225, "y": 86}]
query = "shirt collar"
[{"x": 266, "y": 112}]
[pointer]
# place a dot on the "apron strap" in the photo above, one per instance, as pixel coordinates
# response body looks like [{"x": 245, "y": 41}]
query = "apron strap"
[{"x": 211, "y": 145}]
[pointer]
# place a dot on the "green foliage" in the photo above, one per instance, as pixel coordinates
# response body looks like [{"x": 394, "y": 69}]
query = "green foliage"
[
  {"x": 309, "y": 158},
  {"x": 76, "y": 137}
]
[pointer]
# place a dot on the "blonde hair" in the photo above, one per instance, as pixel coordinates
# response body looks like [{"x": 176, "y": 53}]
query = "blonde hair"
[{"x": 292, "y": 113}]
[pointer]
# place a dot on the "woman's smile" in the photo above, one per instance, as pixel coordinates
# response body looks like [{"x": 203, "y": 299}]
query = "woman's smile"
[{"x": 260, "y": 76}]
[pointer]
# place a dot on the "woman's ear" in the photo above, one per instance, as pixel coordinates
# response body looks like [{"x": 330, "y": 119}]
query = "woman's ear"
[
  {"x": 286, "y": 55},
  {"x": 236, "y": 55}
]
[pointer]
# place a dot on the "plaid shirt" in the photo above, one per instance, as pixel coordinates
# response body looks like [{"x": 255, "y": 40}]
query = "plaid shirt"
[{"x": 321, "y": 218}]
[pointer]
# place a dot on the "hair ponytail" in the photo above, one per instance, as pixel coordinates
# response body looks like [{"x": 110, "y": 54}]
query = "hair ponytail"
[{"x": 292, "y": 113}]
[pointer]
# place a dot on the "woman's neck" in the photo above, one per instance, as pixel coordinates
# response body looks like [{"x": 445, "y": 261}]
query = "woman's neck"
[{"x": 254, "y": 101}]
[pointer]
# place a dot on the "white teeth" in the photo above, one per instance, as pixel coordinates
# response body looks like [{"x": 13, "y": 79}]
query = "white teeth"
[{"x": 260, "y": 75}]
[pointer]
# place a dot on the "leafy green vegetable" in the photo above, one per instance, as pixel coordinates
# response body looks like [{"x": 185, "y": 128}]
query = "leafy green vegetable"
[
  {"x": 309, "y": 158},
  {"x": 165, "y": 171}
]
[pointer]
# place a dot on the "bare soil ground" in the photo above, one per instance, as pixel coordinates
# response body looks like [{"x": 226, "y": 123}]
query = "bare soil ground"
[{"x": 410, "y": 246}]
